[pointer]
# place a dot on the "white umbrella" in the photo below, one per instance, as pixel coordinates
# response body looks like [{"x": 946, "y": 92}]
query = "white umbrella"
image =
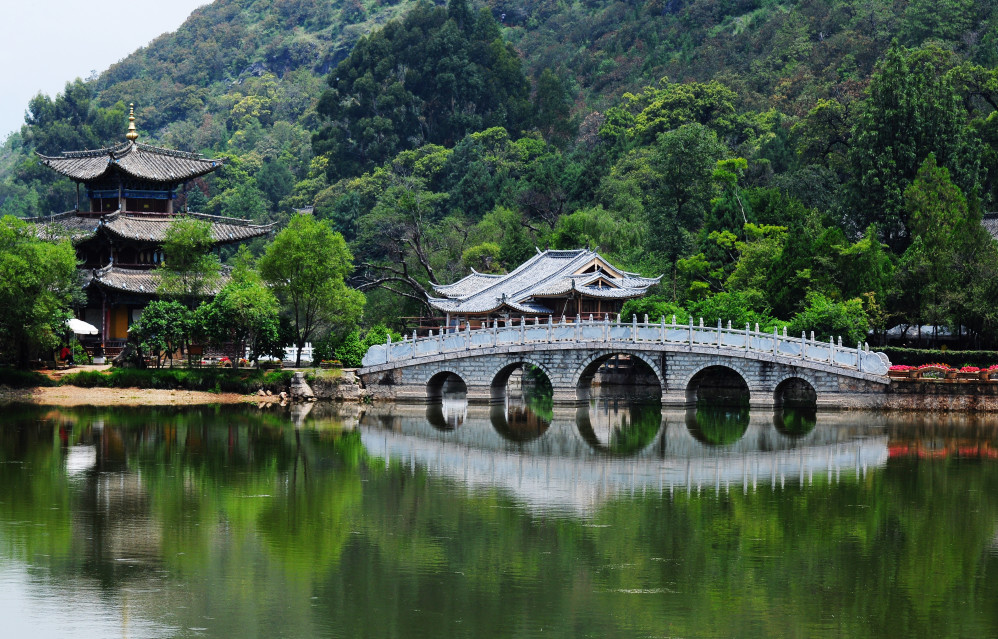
[{"x": 80, "y": 327}]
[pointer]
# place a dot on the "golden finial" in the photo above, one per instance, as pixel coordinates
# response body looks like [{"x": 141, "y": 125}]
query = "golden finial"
[{"x": 132, "y": 134}]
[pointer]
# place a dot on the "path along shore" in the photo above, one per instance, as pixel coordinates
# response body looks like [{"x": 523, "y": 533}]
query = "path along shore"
[{"x": 78, "y": 396}]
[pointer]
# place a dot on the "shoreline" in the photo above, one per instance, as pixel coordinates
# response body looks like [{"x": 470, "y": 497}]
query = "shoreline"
[{"x": 78, "y": 396}]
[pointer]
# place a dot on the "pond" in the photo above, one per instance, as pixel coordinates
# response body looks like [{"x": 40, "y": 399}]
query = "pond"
[{"x": 519, "y": 519}]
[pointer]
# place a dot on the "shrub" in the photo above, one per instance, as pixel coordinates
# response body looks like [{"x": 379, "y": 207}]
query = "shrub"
[
  {"x": 15, "y": 378},
  {"x": 203, "y": 379}
]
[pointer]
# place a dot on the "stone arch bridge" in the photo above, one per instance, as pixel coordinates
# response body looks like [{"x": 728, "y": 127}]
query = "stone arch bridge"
[{"x": 570, "y": 353}]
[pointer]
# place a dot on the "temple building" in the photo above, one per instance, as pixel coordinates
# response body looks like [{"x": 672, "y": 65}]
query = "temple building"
[
  {"x": 119, "y": 227},
  {"x": 556, "y": 283}
]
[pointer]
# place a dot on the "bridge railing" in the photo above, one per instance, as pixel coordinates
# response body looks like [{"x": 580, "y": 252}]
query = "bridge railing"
[{"x": 607, "y": 334}]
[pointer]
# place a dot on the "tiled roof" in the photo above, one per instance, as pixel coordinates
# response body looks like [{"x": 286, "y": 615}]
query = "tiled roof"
[
  {"x": 78, "y": 227},
  {"x": 137, "y": 280},
  {"x": 153, "y": 228},
  {"x": 990, "y": 223},
  {"x": 549, "y": 273},
  {"x": 143, "y": 226},
  {"x": 138, "y": 160},
  {"x": 467, "y": 285}
]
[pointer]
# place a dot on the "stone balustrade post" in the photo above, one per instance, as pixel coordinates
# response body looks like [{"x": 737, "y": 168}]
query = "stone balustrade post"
[
  {"x": 662, "y": 332},
  {"x": 388, "y": 349},
  {"x": 831, "y": 349},
  {"x": 803, "y": 345},
  {"x": 719, "y": 332},
  {"x": 467, "y": 337},
  {"x": 691, "y": 332},
  {"x": 578, "y": 328},
  {"x": 550, "y": 326},
  {"x": 634, "y": 328},
  {"x": 748, "y": 336},
  {"x": 522, "y": 330},
  {"x": 776, "y": 341}
]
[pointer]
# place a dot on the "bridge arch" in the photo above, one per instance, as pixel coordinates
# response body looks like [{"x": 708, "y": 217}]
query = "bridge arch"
[
  {"x": 730, "y": 376},
  {"x": 583, "y": 376},
  {"x": 797, "y": 388},
  {"x": 500, "y": 375},
  {"x": 440, "y": 377}
]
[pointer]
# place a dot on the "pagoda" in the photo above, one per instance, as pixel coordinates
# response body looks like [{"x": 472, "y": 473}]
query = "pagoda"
[
  {"x": 119, "y": 228},
  {"x": 573, "y": 283}
]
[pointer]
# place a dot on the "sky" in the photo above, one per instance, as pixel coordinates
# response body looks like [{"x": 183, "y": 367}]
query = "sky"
[{"x": 46, "y": 43}]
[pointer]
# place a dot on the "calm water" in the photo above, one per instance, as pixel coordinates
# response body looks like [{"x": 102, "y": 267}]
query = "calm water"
[{"x": 522, "y": 520}]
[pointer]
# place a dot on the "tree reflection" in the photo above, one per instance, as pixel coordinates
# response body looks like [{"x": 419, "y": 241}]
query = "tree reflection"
[
  {"x": 795, "y": 421},
  {"x": 619, "y": 426},
  {"x": 717, "y": 424},
  {"x": 210, "y": 521}
]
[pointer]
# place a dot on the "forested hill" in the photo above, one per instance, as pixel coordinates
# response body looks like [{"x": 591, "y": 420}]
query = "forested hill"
[{"x": 822, "y": 163}]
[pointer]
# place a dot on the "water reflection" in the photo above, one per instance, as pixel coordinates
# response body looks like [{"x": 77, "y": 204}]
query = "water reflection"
[
  {"x": 619, "y": 425},
  {"x": 227, "y": 523},
  {"x": 449, "y": 413},
  {"x": 795, "y": 422},
  {"x": 516, "y": 421},
  {"x": 717, "y": 424}
]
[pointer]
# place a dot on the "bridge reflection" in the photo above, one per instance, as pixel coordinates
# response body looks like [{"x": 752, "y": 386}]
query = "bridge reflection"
[{"x": 575, "y": 458}]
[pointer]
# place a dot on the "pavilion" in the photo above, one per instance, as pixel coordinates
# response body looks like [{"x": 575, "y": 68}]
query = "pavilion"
[
  {"x": 552, "y": 283},
  {"x": 119, "y": 228}
]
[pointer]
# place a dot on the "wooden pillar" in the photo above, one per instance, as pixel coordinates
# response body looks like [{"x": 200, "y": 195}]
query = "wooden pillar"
[
  {"x": 121, "y": 195},
  {"x": 104, "y": 318},
  {"x": 77, "y": 196}
]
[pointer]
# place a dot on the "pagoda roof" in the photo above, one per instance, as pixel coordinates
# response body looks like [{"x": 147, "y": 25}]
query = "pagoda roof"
[
  {"x": 139, "y": 280},
  {"x": 141, "y": 161},
  {"x": 547, "y": 274},
  {"x": 143, "y": 226}
]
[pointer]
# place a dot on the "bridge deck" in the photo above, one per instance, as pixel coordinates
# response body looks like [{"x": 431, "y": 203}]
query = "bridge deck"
[{"x": 522, "y": 336}]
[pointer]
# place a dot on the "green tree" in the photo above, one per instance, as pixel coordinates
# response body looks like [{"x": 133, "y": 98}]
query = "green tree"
[
  {"x": 552, "y": 107},
  {"x": 244, "y": 314},
  {"x": 429, "y": 77},
  {"x": 942, "y": 19},
  {"x": 941, "y": 268},
  {"x": 830, "y": 319},
  {"x": 484, "y": 258},
  {"x": 912, "y": 109},
  {"x": 38, "y": 284},
  {"x": 189, "y": 271},
  {"x": 163, "y": 329},
  {"x": 306, "y": 265},
  {"x": 685, "y": 160}
]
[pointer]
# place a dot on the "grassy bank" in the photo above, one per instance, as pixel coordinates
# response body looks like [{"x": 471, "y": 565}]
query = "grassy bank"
[
  {"x": 217, "y": 380},
  {"x": 16, "y": 378}
]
